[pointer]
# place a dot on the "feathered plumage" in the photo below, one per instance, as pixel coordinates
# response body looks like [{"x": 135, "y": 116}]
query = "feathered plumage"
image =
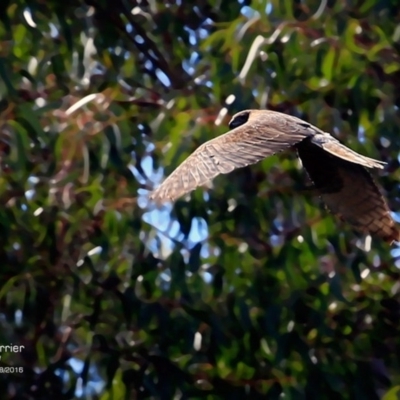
[{"x": 338, "y": 172}]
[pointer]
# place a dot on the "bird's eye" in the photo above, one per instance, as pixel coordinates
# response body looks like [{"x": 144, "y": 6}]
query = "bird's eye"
[{"x": 238, "y": 120}]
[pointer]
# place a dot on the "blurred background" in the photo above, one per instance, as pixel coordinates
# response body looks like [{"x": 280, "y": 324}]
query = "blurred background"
[{"x": 249, "y": 290}]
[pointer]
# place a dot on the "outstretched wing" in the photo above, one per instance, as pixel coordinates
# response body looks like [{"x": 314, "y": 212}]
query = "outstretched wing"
[
  {"x": 334, "y": 147},
  {"x": 349, "y": 191},
  {"x": 256, "y": 135}
]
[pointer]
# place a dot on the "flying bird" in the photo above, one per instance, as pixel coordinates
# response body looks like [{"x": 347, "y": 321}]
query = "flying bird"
[{"x": 338, "y": 173}]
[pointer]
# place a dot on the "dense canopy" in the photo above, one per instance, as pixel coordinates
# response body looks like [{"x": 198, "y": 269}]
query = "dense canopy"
[{"x": 250, "y": 290}]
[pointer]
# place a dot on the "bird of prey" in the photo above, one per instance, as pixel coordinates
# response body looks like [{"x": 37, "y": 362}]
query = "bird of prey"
[{"x": 339, "y": 174}]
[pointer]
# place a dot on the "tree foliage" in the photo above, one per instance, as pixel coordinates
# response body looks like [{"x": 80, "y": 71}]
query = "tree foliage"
[{"x": 249, "y": 290}]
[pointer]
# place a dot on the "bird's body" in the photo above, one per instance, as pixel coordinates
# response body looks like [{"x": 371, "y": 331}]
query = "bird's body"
[{"x": 337, "y": 172}]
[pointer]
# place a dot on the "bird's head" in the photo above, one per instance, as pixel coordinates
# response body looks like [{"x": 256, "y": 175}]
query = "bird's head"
[
  {"x": 245, "y": 116},
  {"x": 239, "y": 119}
]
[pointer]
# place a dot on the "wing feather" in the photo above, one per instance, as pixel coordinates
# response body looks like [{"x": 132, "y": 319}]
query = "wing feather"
[
  {"x": 334, "y": 147},
  {"x": 349, "y": 191},
  {"x": 242, "y": 146}
]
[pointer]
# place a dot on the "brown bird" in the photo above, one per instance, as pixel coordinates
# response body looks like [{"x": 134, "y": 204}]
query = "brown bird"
[{"x": 338, "y": 173}]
